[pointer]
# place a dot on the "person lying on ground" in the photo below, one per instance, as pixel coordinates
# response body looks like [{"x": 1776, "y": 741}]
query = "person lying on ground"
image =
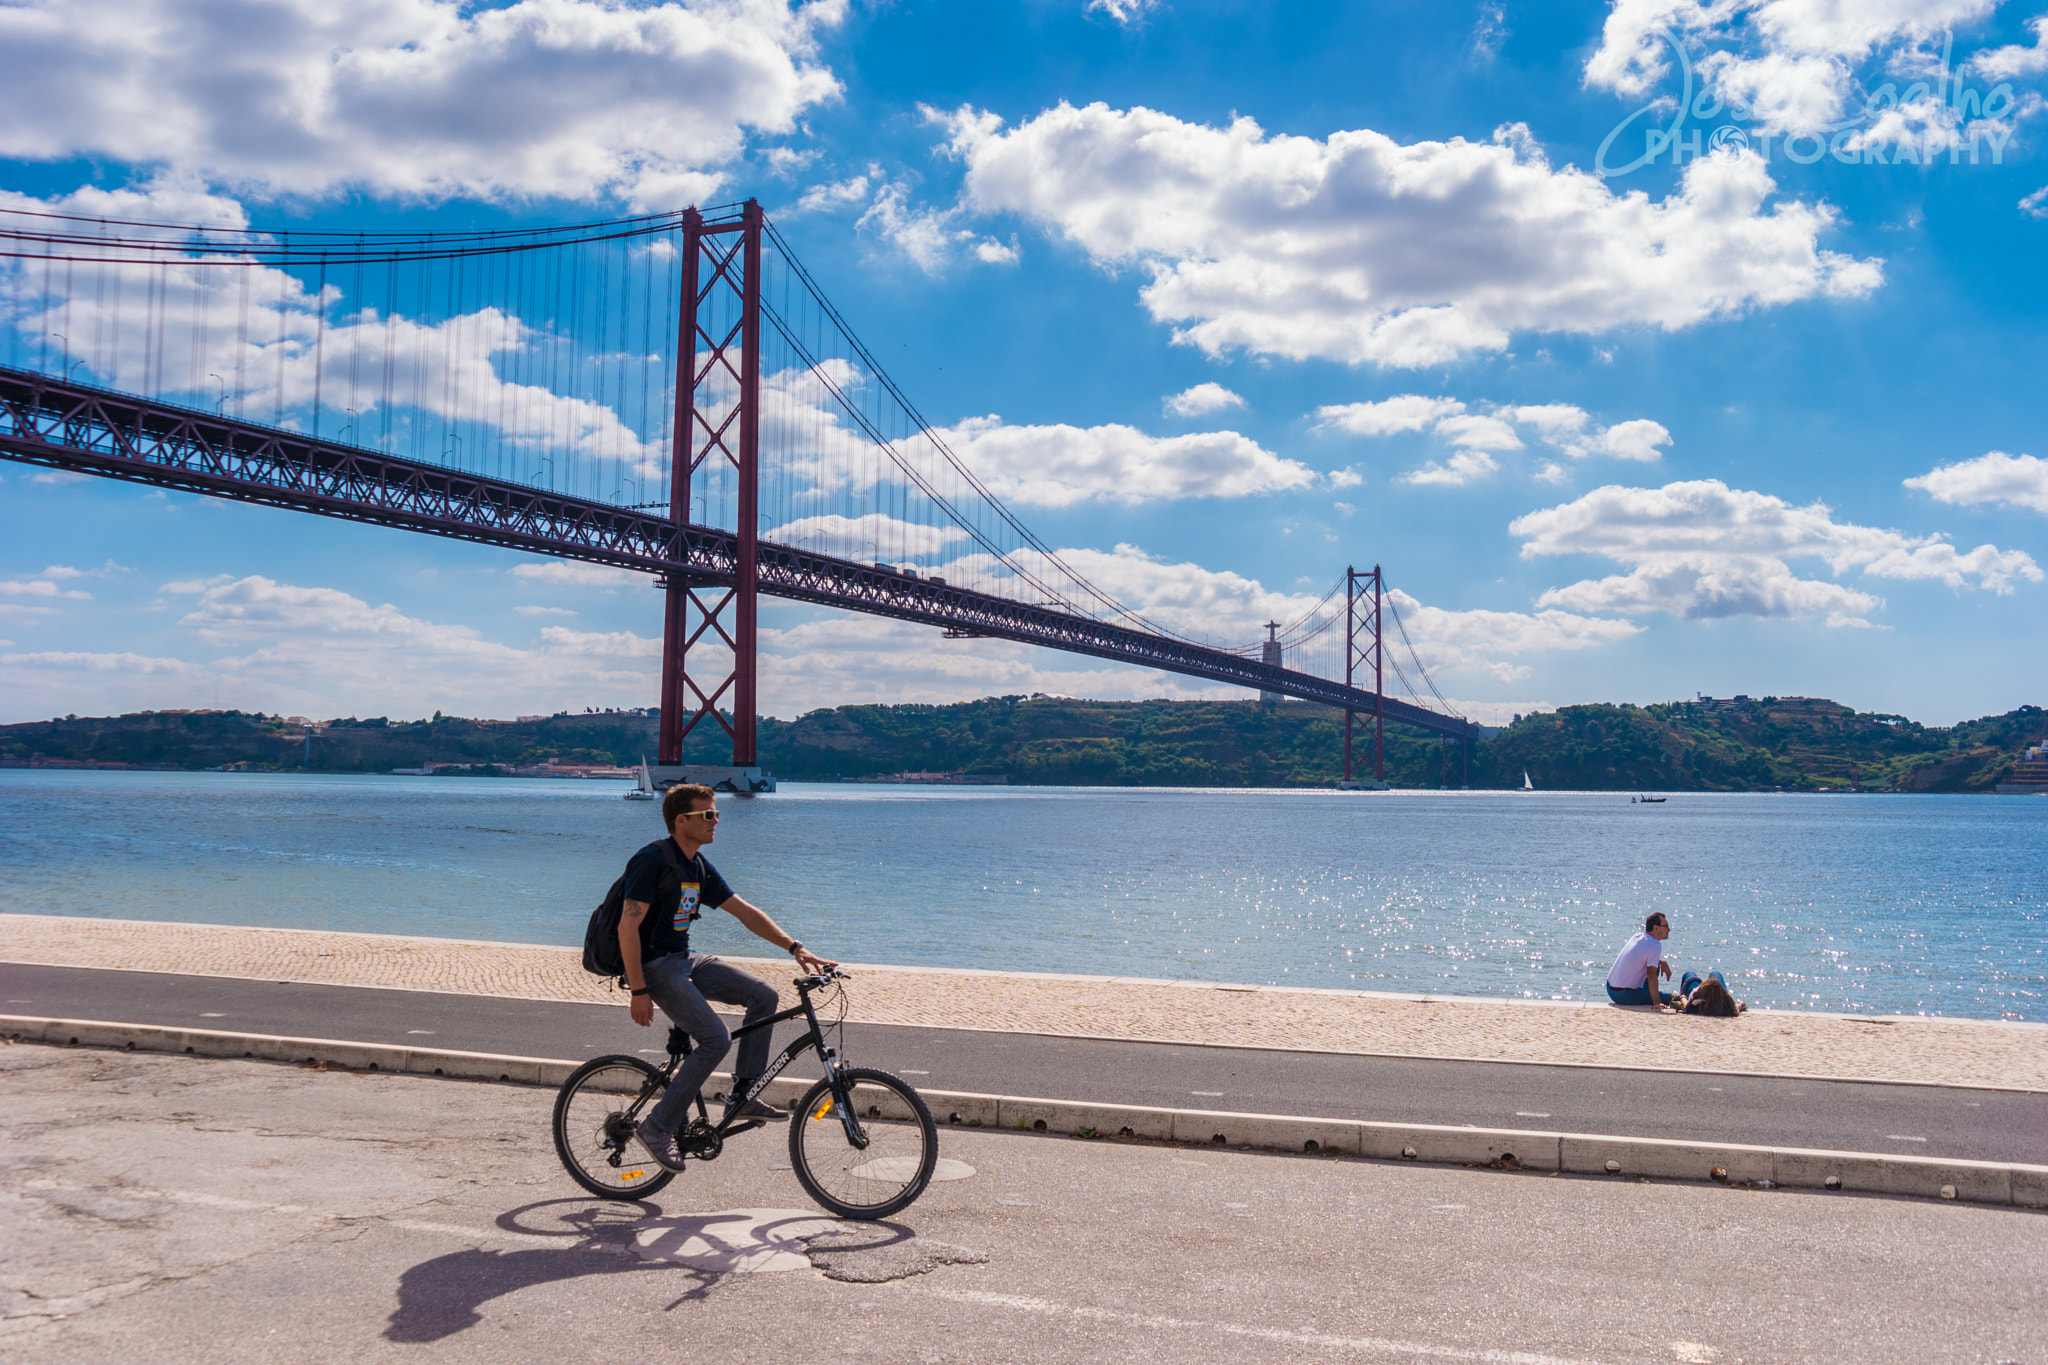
[
  {"x": 1633, "y": 980},
  {"x": 1708, "y": 995}
]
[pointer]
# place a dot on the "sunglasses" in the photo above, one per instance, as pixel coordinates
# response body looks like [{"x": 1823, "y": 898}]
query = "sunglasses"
[{"x": 710, "y": 816}]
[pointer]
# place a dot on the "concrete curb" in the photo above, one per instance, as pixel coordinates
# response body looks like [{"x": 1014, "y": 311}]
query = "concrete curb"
[{"x": 1979, "y": 1182}]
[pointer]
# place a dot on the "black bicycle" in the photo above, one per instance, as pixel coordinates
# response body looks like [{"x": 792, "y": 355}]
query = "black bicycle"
[{"x": 861, "y": 1141}]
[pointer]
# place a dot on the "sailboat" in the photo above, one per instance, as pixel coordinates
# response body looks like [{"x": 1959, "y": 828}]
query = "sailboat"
[
  {"x": 645, "y": 790},
  {"x": 1527, "y": 786}
]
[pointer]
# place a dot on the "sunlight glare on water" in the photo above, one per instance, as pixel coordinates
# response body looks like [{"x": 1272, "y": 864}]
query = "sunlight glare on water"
[{"x": 1886, "y": 904}]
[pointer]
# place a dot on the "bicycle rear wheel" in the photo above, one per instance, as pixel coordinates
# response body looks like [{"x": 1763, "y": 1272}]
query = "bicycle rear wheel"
[
  {"x": 595, "y": 1114},
  {"x": 886, "y": 1160}
]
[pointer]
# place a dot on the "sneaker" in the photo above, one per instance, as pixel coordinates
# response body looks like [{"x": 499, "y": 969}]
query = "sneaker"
[
  {"x": 754, "y": 1110},
  {"x": 660, "y": 1144}
]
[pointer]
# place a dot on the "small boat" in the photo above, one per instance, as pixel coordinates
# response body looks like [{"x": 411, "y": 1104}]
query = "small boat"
[
  {"x": 645, "y": 790},
  {"x": 1526, "y": 785},
  {"x": 1649, "y": 800}
]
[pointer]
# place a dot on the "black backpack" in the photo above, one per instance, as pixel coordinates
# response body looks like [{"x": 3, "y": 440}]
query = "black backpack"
[{"x": 601, "y": 936}]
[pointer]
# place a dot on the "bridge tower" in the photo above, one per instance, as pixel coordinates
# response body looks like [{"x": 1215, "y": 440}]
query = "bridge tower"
[
  {"x": 1359, "y": 618},
  {"x": 717, "y": 418}
]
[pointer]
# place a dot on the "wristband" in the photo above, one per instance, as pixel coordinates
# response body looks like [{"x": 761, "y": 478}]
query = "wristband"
[
  {"x": 794, "y": 945},
  {"x": 639, "y": 992}
]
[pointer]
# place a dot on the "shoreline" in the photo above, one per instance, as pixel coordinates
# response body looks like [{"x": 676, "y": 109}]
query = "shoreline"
[
  {"x": 7, "y": 765},
  {"x": 1907, "y": 1049}
]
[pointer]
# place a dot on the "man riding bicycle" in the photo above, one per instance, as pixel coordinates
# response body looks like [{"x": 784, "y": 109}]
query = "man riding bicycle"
[{"x": 668, "y": 884}]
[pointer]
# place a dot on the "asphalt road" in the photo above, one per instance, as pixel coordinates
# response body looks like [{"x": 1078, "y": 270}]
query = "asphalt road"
[
  {"x": 1907, "y": 1120},
  {"x": 159, "y": 1208}
]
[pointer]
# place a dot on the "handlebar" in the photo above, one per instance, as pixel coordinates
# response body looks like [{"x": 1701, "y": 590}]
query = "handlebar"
[{"x": 822, "y": 978}]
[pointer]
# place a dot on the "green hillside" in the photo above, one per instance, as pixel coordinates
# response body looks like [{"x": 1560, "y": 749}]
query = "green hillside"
[{"x": 1793, "y": 743}]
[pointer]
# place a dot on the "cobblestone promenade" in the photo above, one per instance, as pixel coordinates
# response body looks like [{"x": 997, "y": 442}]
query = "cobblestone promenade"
[{"x": 1945, "y": 1051}]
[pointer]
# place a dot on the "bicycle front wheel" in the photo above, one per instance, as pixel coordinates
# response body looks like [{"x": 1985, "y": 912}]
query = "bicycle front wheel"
[
  {"x": 866, "y": 1148},
  {"x": 595, "y": 1114}
]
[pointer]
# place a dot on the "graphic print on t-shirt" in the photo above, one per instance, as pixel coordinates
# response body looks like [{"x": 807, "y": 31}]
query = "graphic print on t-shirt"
[{"x": 686, "y": 908}]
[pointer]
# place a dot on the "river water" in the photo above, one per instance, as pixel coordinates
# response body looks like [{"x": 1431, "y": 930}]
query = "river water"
[{"x": 1883, "y": 904}]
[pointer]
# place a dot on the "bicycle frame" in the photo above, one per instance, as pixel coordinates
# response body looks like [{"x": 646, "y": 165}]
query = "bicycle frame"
[{"x": 812, "y": 1038}]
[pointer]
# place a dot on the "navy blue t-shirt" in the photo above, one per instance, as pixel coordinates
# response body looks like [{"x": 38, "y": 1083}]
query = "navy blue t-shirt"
[{"x": 672, "y": 903}]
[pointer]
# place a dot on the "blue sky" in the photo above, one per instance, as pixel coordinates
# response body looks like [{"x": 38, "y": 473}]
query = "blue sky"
[{"x": 1230, "y": 295}]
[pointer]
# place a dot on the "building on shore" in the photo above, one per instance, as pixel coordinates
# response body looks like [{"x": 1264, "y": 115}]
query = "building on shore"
[{"x": 2029, "y": 776}]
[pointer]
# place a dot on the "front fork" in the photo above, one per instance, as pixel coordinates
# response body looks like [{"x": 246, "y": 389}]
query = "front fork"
[{"x": 842, "y": 1094}]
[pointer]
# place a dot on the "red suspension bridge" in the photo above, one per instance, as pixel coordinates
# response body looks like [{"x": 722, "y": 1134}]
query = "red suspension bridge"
[{"x": 671, "y": 395}]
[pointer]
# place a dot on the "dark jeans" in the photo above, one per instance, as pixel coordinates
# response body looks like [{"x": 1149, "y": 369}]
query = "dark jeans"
[
  {"x": 1637, "y": 995},
  {"x": 683, "y": 987},
  {"x": 1690, "y": 982}
]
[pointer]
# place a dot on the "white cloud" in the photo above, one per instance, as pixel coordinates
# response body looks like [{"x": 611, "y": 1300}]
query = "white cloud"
[
  {"x": 1476, "y": 437},
  {"x": 928, "y": 236},
  {"x": 2016, "y": 480},
  {"x": 1636, "y": 440},
  {"x": 45, "y": 585},
  {"x": 530, "y": 610},
  {"x": 2035, "y": 205},
  {"x": 1347, "y": 477},
  {"x": 574, "y": 573},
  {"x": 577, "y": 99},
  {"x": 870, "y": 536},
  {"x": 1470, "y": 431},
  {"x": 1406, "y": 412},
  {"x": 319, "y": 651},
  {"x": 1125, "y": 12},
  {"x": 1361, "y": 249},
  {"x": 1555, "y": 422},
  {"x": 831, "y": 197},
  {"x": 36, "y": 587},
  {"x": 140, "y": 664},
  {"x": 1201, "y": 400},
  {"x": 1466, "y": 466},
  {"x": 1486, "y": 642},
  {"x": 1702, "y": 550},
  {"x": 1059, "y": 465},
  {"x": 1706, "y": 586},
  {"x": 2006, "y": 63},
  {"x": 1790, "y": 62}
]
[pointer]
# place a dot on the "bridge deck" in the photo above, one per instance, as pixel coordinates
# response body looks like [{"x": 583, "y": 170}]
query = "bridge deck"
[{"x": 88, "y": 430}]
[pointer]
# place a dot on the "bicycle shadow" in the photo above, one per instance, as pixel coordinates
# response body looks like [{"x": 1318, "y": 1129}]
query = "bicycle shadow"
[{"x": 443, "y": 1296}]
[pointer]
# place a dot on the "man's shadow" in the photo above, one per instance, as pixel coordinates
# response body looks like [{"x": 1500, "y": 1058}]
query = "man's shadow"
[{"x": 441, "y": 1297}]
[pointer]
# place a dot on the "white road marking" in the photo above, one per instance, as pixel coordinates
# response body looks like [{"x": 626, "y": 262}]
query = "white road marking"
[
  {"x": 1212, "y": 1094},
  {"x": 908, "y": 1072},
  {"x": 1160, "y": 1322},
  {"x": 1901, "y": 1137},
  {"x": 1525, "y": 1114},
  {"x": 213, "y": 1016},
  {"x": 425, "y": 1031}
]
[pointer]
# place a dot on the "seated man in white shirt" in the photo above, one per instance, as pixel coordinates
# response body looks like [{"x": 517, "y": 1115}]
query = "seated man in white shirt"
[{"x": 1633, "y": 981}]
